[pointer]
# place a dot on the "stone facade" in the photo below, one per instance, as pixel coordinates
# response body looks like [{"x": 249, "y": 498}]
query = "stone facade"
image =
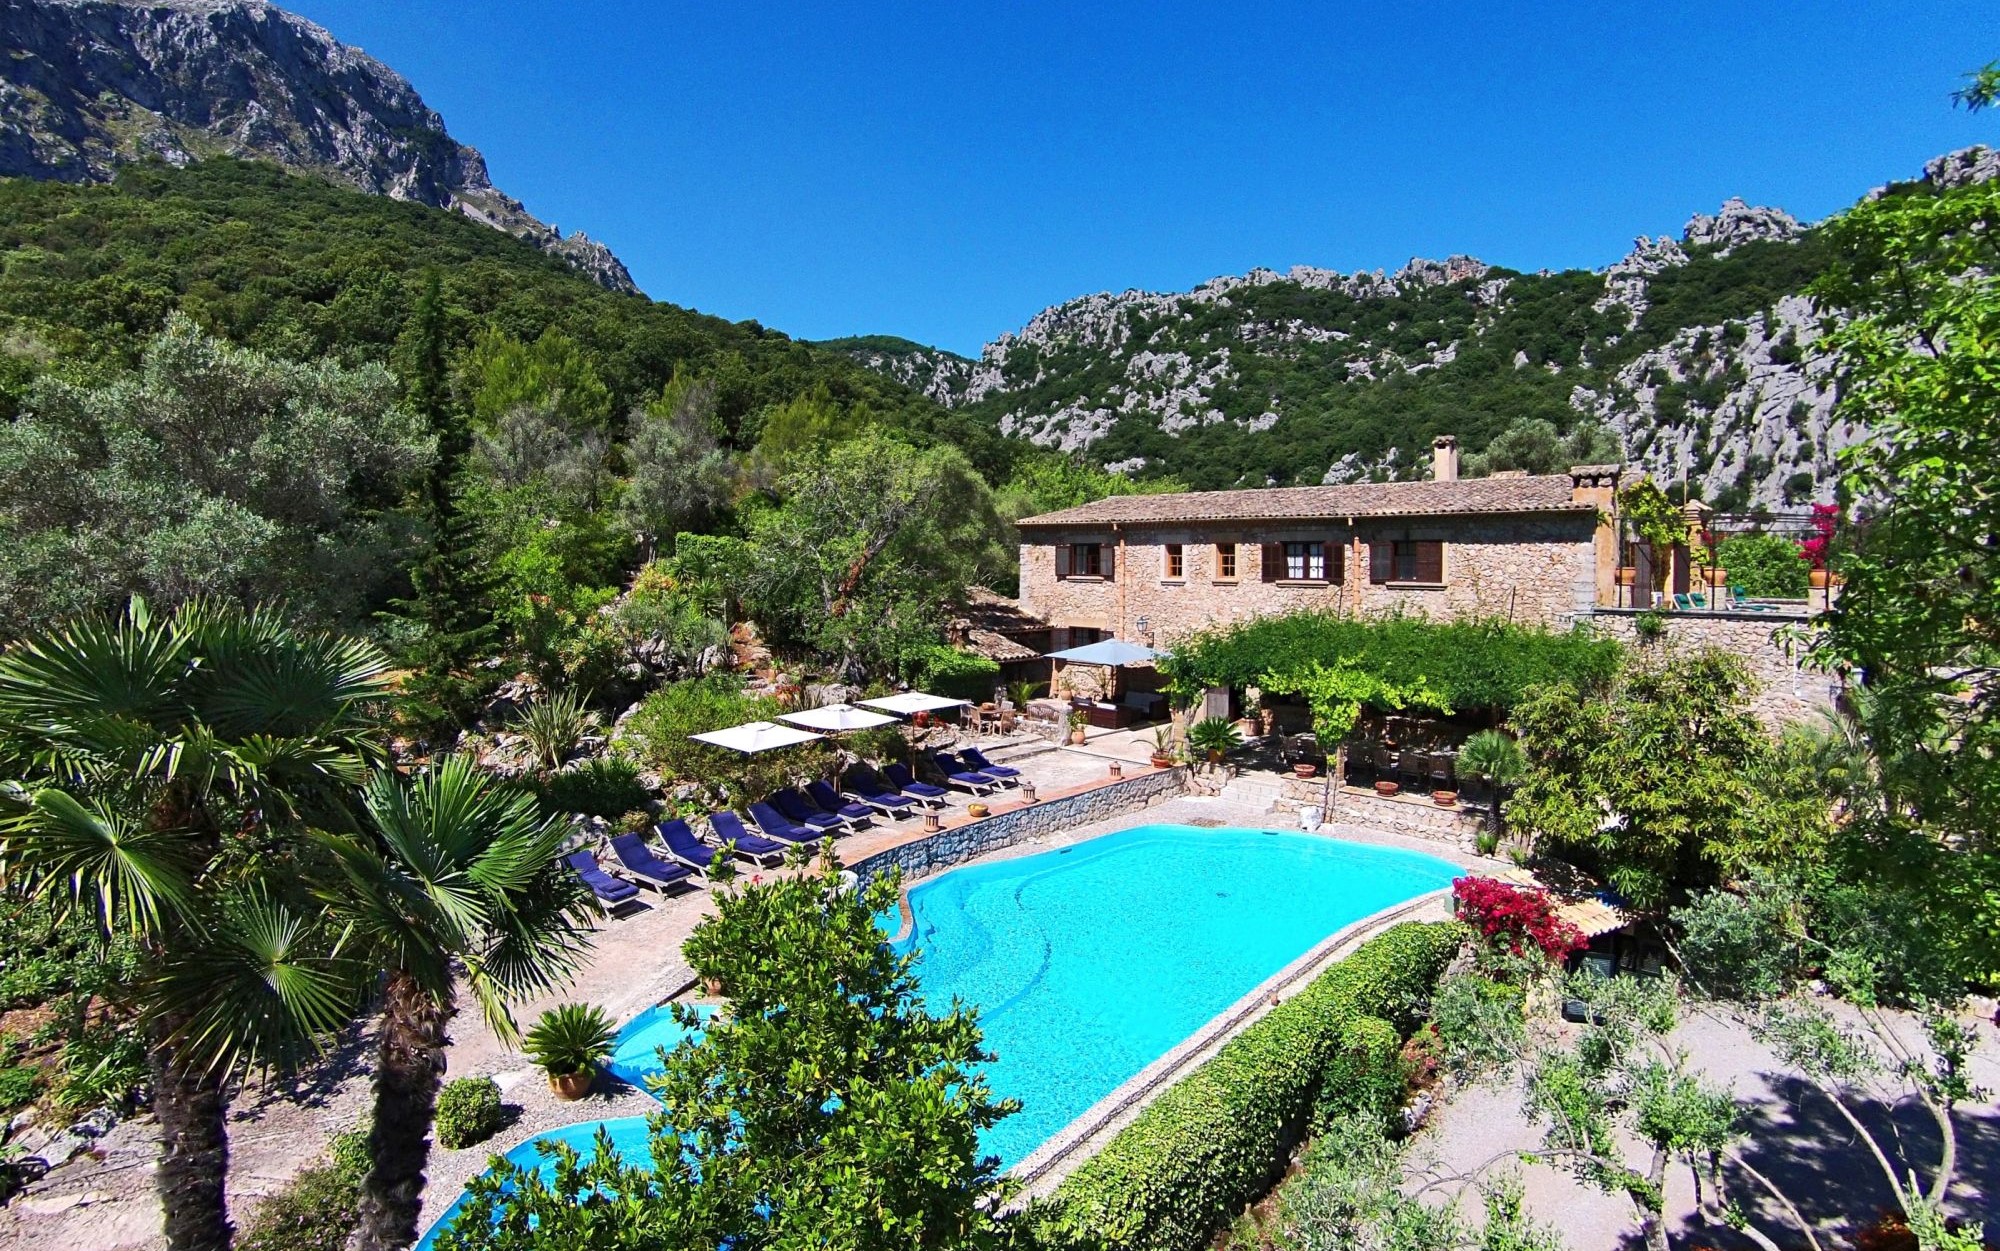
[
  {"x": 1536, "y": 568},
  {"x": 925, "y": 856},
  {"x": 1786, "y": 692}
]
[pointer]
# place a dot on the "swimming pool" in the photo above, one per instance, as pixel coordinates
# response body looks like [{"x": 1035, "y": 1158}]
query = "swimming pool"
[{"x": 1090, "y": 962}]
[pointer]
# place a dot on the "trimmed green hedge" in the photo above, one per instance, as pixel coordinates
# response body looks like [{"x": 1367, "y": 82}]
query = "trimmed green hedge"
[
  {"x": 1221, "y": 1136},
  {"x": 1473, "y": 664}
]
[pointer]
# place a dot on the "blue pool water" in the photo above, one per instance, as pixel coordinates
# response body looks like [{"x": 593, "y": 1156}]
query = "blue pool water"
[
  {"x": 629, "y": 1138},
  {"x": 635, "y": 1052},
  {"x": 1090, "y": 962}
]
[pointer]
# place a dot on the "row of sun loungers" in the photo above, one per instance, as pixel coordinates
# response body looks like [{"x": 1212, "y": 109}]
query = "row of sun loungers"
[{"x": 788, "y": 818}]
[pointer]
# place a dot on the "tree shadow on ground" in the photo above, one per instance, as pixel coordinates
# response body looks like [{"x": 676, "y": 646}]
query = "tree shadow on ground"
[
  {"x": 351, "y": 1055},
  {"x": 1795, "y": 1137}
]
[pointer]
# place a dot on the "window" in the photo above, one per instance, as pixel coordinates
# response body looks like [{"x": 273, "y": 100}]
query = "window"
[
  {"x": 1176, "y": 564},
  {"x": 1312, "y": 560},
  {"x": 1225, "y": 560},
  {"x": 1406, "y": 560},
  {"x": 1083, "y": 636},
  {"x": 1083, "y": 560},
  {"x": 1305, "y": 562}
]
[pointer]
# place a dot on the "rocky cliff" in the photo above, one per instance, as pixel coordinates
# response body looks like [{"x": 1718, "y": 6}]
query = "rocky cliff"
[
  {"x": 1694, "y": 351},
  {"x": 89, "y": 85}
]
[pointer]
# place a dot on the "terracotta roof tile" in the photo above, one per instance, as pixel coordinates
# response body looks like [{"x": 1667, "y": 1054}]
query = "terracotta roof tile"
[{"x": 1533, "y": 493}]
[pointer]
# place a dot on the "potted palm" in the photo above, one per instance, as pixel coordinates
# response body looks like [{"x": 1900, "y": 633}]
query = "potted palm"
[
  {"x": 1163, "y": 747},
  {"x": 1495, "y": 759},
  {"x": 1214, "y": 737},
  {"x": 1077, "y": 720},
  {"x": 568, "y": 1043}
]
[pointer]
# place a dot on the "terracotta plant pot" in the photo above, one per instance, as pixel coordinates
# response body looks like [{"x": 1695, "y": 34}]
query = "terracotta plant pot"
[
  {"x": 1820, "y": 579},
  {"x": 1445, "y": 799},
  {"x": 1162, "y": 762},
  {"x": 570, "y": 1087},
  {"x": 976, "y": 811},
  {"x": 1387, "y": 788},
  {"x": 1718, "y": 578},
  {"x": 1304, "y": 770},
  {"x": 1627, "y": 574},
  {"x": 1076, "y": 736}
]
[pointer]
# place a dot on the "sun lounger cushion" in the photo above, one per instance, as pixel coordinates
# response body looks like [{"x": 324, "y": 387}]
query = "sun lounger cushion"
[{"x": 608, "y": 889}]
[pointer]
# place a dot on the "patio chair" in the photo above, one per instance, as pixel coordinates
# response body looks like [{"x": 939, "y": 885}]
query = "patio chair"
[
  {"x": 976, "y": 760},
  {"x": 1382, "y": 763},
  {"x": 902, "y": 779},
  {"x": 956, "y": 774},
  {"x": 800, "y": 811},
  {"x": 685, "y": 847},
  {"x": 773, "y": 822},
  {"x": 1741, "y": 603},
  {"x": 865, "y": 788},
  {"x": 1439, "y": 767},
  {"x": 829, "y": 801},
  {"x": 640, "y": 861},
  {"x": 730, "y": 829},
  {"x": 610, "y": 891}
]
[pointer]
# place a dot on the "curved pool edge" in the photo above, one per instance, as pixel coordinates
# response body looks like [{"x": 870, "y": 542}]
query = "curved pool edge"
[{"x": 1047, "y": 1165}]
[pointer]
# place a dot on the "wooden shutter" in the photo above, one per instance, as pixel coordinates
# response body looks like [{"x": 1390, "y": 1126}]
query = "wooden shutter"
[
  {"x": 1062, "y": 560},
  {"x": 1273, "y": 562},
  {"x": 1430, "y": 561},
  {"x": 1381, "y": 556},
  {"x": 1336, "y": 561},
  {"x": 1107, "y": 560}
]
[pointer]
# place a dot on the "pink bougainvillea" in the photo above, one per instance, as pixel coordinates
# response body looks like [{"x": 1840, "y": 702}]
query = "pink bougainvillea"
[
  {"x": 1816, "y": 549},
  {"x": 1510, "y": 917}
]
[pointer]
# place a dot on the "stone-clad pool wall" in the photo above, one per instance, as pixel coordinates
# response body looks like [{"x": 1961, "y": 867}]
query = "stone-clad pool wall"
[{"x": 924, "y": 856}]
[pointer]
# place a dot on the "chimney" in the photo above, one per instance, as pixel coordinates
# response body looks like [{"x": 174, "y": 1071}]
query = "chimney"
[{"x": 1444, "y": 458}]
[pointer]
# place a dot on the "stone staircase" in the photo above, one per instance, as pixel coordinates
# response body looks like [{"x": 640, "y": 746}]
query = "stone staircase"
[{"x": 1259, "y": 792}]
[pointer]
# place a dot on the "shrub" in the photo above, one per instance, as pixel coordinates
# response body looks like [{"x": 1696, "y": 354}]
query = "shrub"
[
  {"x": 19, "y": 1084},
  {"x": 658, "y": 736},
  {"x": 606, "y": 786},
  {"x": 1764, "y": 564},
  {"x": 553, "y": 726},
  {"x": 944, "y": 670},
  {"x": 1221, "y": 1136},
  {"x": 315, "y": 1212},
  {"x": 468, "y": 1111},
  {"x": 1510, "y": 918}
]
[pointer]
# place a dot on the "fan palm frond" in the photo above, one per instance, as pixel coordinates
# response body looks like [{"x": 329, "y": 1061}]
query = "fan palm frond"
[
  {"x": 90, "y": 852},
  {"x": 266, "y": 984}
]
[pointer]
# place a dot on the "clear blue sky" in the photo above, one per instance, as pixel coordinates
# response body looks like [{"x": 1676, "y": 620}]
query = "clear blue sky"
[{"x": 945, "y": 171}]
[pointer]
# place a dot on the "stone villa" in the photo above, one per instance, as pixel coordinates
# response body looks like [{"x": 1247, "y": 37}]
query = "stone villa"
[
  {"x": 1538, "y": 548},
  {"x": 1530, "y": 548}
]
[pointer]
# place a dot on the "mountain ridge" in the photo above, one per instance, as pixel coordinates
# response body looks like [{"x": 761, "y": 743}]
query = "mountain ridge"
[
  {"x": 1692, "y": 350},
  {"x": 88, "y": 86}
]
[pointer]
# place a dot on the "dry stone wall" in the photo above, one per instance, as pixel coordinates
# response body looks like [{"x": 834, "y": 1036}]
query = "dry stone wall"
[
  {"x": 1786, "y": 691},
  {"x": 925, "y": 856}
]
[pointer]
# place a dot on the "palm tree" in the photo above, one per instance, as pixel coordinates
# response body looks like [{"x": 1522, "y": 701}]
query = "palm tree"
[
  {"x": 158, "y": 772},
  {"x": 458, "y": 877},
  {"x": 1497, "y": 758}
]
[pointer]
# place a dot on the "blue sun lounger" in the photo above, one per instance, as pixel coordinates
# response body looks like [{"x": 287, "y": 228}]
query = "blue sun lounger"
[
  {"x": 923, "y": 792},
  {"x": 865, "y": 788},
  {"x": 976, "y": 759},
  {"x": 610, "y": 891},
  {"x": 683, "y": 846},
  {"x": 640, "y": 861},
  {"x": 833, "y": 805},
  {"x": 773, "y": 822},
  {"x": 956, "y": 774},
  {"x": 730, "y": 829},
  {"x": 800, "y": 811}
]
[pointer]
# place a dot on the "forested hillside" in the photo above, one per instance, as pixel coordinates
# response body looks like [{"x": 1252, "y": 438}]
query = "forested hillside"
[{"x": 1691, "y": 357}]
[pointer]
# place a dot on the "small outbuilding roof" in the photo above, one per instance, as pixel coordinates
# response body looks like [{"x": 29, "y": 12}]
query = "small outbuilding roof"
[{"x": 1526, "y": 493}]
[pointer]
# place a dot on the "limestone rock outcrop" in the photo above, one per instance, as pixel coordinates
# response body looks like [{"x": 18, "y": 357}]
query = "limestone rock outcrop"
[{"x": 87, "y": 86}]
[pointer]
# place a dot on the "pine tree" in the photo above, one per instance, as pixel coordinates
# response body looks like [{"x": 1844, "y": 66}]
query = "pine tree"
[{"x": 449, "y": 602}]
